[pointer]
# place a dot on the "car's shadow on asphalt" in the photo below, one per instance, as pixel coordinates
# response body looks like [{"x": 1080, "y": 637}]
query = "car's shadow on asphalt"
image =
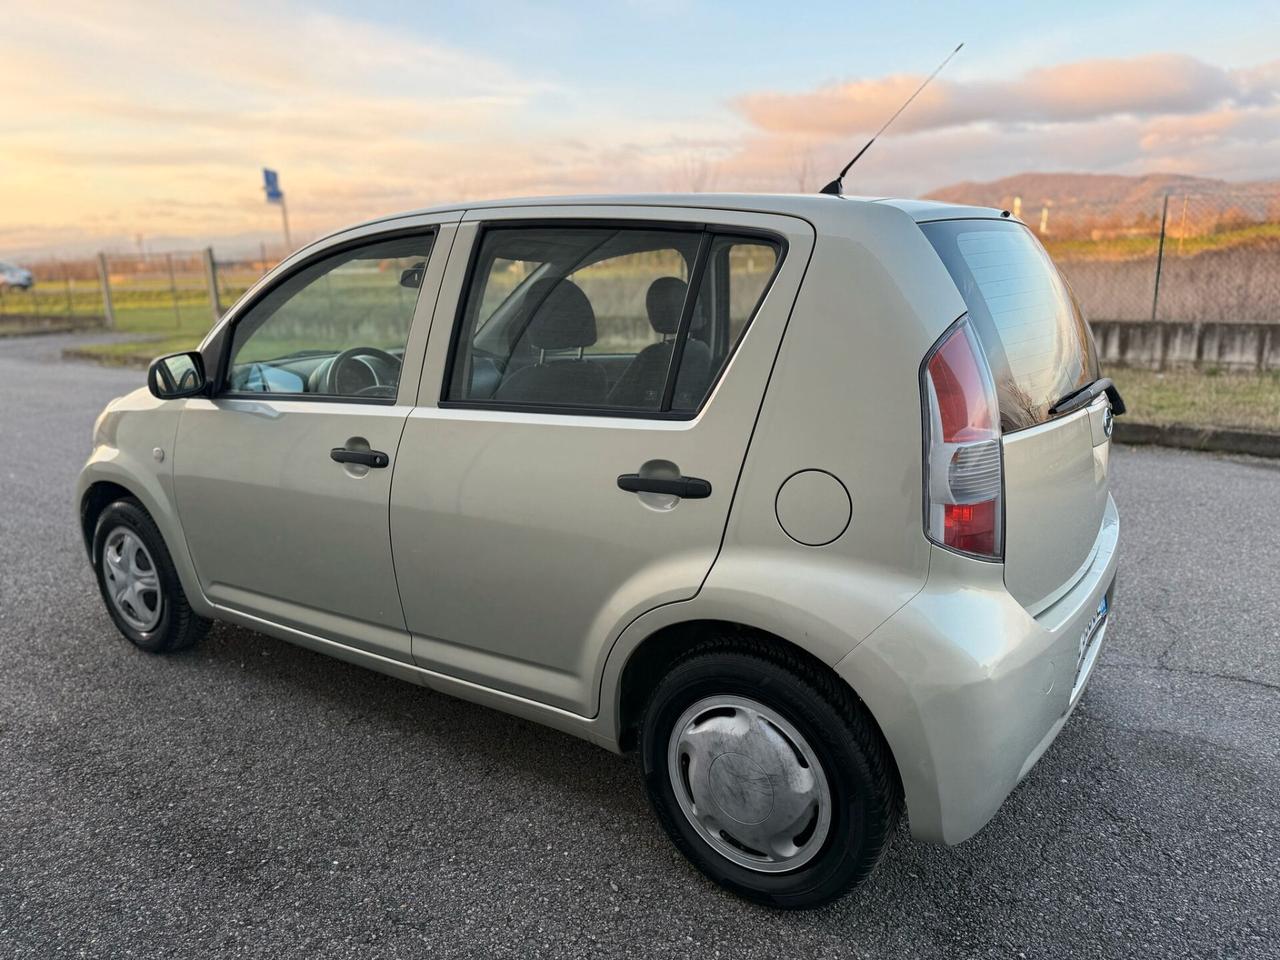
[
  {"x": 393, "y": 766},
  {"x": 1089, "y": 802},
  {"x": 427, "y": 721}
]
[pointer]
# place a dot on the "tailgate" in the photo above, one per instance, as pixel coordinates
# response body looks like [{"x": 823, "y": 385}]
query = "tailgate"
[
  {"x": 1039, "y": 350},
  {"x": 1055, "y": 493}
]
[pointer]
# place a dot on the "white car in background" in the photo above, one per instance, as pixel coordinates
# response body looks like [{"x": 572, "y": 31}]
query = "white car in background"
[{"x": 12, "y": 275}]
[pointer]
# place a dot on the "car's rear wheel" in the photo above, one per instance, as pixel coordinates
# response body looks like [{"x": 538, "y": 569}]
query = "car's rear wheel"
[
  {"x": 139, "y": 583},
  {"x": 768, "y": 773}
]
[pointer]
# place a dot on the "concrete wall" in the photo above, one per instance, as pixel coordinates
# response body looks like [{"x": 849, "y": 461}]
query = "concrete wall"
[{"x": 1156, "y": 346}]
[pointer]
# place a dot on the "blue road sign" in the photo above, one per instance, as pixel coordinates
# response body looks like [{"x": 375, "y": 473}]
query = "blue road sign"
[{"x": 271, "y": 185}]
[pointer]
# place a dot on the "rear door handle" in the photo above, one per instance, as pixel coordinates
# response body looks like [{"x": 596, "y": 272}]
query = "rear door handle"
[
  {"x": 366, "y": 458},
  {"x": 686, "y": 488}
]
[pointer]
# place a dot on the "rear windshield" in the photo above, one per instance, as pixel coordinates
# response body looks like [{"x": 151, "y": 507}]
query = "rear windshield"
[{"x": 1036, "y": 341}]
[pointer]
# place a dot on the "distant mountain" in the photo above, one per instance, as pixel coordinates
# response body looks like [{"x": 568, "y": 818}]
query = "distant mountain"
[{"x": 1067, "y": 190}]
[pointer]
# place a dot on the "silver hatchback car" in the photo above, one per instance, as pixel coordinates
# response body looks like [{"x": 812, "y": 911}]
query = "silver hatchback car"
[{"x": 804, "y": 499}]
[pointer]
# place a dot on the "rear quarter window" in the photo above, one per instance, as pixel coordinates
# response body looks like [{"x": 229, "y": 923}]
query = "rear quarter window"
[{"x": 1035, "y": 339}]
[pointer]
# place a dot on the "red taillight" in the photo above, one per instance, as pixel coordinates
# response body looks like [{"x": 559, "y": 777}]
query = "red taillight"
[
  {"x": 960, "y": 379},
  {"x": 971, "y": 527},
  {"x": 963, "y": 471}
]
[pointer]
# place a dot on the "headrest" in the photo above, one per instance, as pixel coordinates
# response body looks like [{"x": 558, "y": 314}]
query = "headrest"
[
  {"x": 664, "y": 301},
  {"x": 559, "y": 315}
]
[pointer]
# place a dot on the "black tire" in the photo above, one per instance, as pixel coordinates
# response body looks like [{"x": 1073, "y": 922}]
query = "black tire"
[
  {"x": 178, "y": 627},
  {"x": 864, "y": 787}
]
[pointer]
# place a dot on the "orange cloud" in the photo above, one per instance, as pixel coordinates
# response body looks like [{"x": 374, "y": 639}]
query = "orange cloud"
[
  {"x": 1086, "y": 90},
  {"x": 155, "y": 119}
]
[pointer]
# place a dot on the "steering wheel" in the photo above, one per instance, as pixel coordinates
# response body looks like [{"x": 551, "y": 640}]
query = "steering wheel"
[{"x": 334, "y": 374}]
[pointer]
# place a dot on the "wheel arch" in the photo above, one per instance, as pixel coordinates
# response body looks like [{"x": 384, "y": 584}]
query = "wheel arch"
[
  {"x": 97, "y": 497},
  {"x": 654, "y": 656},
  {"x": 102, "y": 483}
]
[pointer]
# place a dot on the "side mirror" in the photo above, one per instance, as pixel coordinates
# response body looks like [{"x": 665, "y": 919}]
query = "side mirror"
[
  {"x": 412, "y": 277},
  {"x": 177, "y": 375}
]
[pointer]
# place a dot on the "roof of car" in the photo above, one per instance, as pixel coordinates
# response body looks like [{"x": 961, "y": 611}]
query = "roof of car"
[
  {"x": 924, "y": 210},
  {"x": 808, "y": 206},
  {"x": 798, "y": 204}
]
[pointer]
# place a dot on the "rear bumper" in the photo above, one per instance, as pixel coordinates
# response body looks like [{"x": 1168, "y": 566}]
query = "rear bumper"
[{"x": 970, "y": 689}]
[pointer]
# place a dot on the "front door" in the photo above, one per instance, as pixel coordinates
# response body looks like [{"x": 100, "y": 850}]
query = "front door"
[
  {"x": 575, "y": 449},
  {"x": 283, "y": 478}
]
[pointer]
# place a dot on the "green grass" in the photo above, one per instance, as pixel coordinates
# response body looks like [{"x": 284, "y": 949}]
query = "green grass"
[
  {"x": 1198, "y": 399},
  {"x": 159, "y": 324},
  {"x": 1201, "y": 398},
  {"x": 144, "y": 305},
  {"x": 317, "y": 317},
  {"x": 134, "y": 353},
  {"x": 158, "y": 332}
]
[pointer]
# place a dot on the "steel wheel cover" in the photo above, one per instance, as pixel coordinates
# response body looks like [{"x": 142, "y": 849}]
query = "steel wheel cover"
[
  {"x": 749, "y": 784},
  {"x": 133, "y": 583}
]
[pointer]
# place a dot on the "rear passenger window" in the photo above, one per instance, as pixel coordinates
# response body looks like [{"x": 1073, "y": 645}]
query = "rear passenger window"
[
  {"x": 737, "y": 274},
  {"x": 601, "y": 318}
]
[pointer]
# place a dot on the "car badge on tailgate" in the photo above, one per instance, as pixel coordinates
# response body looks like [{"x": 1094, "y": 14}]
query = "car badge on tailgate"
[{"x": 1090, "y": 631}]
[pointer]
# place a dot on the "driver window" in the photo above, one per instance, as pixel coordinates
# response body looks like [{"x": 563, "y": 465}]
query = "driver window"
[{"x": 338, "y": 327}]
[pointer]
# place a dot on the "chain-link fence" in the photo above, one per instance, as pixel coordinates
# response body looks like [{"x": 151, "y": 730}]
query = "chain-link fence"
[
  {"x": 1140, "y": 269},
  {"x": 66, "y": 291},
  {"x": 236, "y": 275},
  {"x": 1190, "y": 258},
  {"x": 1219, "y": 260},
  {"x": 159, "y": 292},
  {"x": 173, "y": 295},
  {"x": 1107, "y": 253}
]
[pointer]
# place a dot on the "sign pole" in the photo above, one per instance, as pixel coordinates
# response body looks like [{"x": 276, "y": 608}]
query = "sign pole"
[
  {"x": 284, "y": 217},
  {"x": 271, "y": 187}
]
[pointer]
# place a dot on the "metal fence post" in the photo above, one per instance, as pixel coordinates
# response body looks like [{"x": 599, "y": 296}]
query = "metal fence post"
[
  {"x": 66, "y": 283},
  {"x": 211, "y": 278},
  {"x": 108, "y": 311},
  {"x": 1155, "y": 294},
  {"x": 173, "y": 291}
]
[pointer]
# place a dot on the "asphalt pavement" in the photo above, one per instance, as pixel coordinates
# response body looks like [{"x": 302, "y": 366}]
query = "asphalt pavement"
[{"x": 253, "y": 799}]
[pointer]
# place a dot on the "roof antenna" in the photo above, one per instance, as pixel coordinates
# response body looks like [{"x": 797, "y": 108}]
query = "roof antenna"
[{"x": 836, "y": 186}]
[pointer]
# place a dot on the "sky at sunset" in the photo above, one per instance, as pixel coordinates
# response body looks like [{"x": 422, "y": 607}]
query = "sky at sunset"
[{"x": 124, "y": 119}]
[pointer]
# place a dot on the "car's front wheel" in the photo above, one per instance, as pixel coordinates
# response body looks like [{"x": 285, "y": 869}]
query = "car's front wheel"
[
  {"x": 768, "y": 774},
  {"x": 139, "y": 583}
]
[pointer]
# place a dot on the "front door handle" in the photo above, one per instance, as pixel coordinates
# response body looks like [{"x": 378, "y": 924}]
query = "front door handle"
[
  {"x": 366, "y": 458},
  {"x": 686, "y": 488}
]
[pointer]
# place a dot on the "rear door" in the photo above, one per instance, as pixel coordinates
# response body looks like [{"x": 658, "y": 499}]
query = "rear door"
[
  {"x": 1039, "y": 349},
  {"x": 580, "y": 431}
]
